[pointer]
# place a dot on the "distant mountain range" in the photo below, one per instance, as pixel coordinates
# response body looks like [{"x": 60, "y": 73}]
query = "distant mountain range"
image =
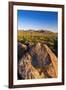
[{"x": 38, "y": 30}]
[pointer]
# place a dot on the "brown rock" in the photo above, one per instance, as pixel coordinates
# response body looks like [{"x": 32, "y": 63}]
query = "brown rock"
[{"x": 40, "y": 62}]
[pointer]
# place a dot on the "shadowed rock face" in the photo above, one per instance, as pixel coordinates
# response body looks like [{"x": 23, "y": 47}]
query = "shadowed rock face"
[
  {"x": 40, "y": 57},
  {"x": 21, "y": 50},
  {"x": 39, "y": 62}
]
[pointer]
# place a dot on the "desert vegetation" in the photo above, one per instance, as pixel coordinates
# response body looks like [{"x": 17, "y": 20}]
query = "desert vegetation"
[{"x": 37, "y": 54}]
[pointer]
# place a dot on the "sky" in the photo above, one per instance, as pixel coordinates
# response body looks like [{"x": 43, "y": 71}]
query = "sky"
[{"x": 46, "y": 20}]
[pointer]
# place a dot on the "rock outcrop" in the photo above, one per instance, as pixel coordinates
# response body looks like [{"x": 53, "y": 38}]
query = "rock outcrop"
[
  {"x": 26, "y": 70},
  {"x": 53, "y": 59},
  {"x": 39, "y": 62},
  {"x": 21, "y": 50}
]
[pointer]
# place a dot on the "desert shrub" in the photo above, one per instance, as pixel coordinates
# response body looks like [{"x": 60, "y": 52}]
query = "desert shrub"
[
  {"x": 34, "y": 40},
  {"x": 56, "y": 45},
  {"x": 24, "y": 39},
  {"x": 47, "y": 38}
]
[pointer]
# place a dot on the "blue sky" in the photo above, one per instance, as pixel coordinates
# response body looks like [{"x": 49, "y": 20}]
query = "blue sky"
[{"x": 37, "y": 20}]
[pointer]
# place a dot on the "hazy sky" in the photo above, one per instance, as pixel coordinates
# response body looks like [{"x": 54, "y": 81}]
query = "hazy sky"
[{"x": 37, "y": 20}]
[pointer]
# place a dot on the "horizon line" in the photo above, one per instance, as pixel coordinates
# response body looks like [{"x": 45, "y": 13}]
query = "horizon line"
[{"x": 35, "y": 30}]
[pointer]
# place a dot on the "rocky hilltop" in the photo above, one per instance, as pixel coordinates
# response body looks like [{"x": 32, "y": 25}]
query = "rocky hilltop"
[{"x": 36, "y": 61}]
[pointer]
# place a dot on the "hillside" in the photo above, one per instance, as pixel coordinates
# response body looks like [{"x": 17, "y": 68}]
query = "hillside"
[
  {"x": 37, "y": 54},
  {"x": 43, "y": 36}
]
